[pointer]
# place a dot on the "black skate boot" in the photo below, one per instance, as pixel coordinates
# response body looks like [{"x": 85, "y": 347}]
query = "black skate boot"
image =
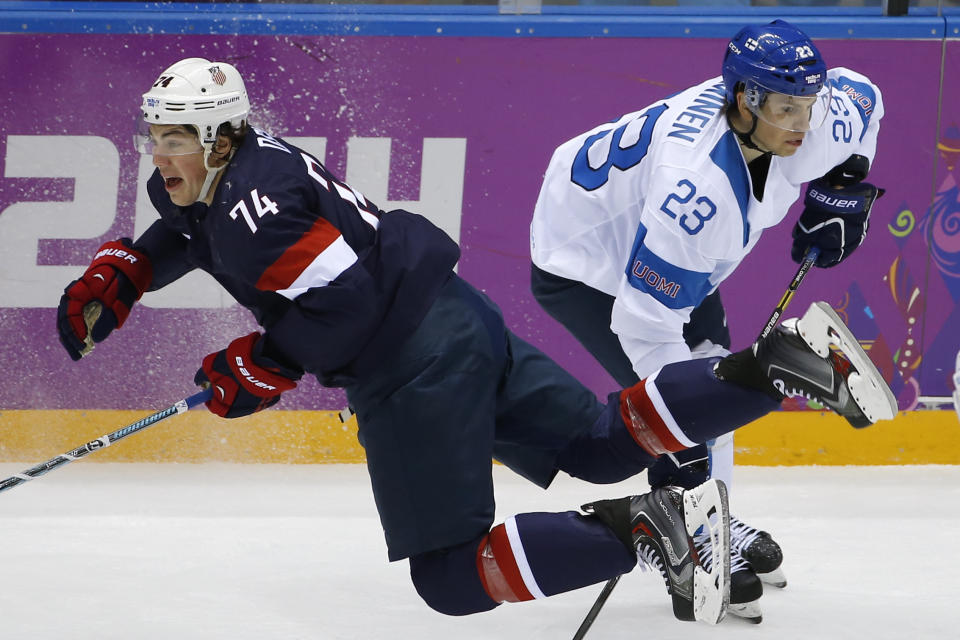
[
  {"x": 760, "y": 550},
  {"x": 659, "y": 527},
  {"x": 796, "y": 359}
]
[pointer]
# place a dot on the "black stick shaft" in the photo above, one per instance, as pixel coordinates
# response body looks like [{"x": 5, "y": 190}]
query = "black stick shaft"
[
  {"x": 805, "y": 266},
  {"x": 595, "y": 609}
]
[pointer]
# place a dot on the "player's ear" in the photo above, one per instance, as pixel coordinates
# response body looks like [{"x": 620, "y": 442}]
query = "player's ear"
[
  {"x": 222, "y": 145},
  {"x": 220, "y": 150}
]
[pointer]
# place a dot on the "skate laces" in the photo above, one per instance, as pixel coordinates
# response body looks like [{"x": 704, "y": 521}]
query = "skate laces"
[
  {"x": 742, "y": 536},
  {"x": 649, "y": 559},
  {"x": 705, "y": 547}
]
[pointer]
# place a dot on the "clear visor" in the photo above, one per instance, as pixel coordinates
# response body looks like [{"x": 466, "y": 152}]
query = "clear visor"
[
  {"x": 165, "y": 139},
  {"x": 790, "y": 113}
]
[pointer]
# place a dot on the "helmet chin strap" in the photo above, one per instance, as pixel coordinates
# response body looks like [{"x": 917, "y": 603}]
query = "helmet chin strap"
[
  {"x": 211, "y": 172},
  {"x": 747, "y": 138}
]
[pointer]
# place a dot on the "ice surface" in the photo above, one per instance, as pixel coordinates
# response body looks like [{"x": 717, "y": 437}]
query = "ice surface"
[{"x": 238, "y": 552}]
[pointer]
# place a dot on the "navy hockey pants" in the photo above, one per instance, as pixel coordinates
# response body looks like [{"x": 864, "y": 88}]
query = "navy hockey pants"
[
  {"x": 585, "y": 312},
  {"x": 460, "y": 391}
]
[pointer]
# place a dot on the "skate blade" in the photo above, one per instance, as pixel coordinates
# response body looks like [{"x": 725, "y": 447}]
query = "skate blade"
[
  {"x": 776, "y": 578},
  {"x": 749, "y": 611},
  {"x": 706, "y": 507},
  {"x": 821, "y": 327}
]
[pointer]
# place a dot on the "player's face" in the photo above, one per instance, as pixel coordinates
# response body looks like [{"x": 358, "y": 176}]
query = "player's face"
[
  {"x": 767, "y": 135},
  {"x": 781, "y": 142},
  {"x": 179, "y": 156}
]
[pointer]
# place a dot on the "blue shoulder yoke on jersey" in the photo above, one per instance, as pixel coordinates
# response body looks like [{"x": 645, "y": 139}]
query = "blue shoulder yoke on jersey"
[
  {"x": 727, "y": 156},
  {"x": 861, "y": 94}
]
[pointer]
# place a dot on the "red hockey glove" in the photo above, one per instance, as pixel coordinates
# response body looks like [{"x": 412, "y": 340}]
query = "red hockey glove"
[
  {"x": 100, "y": 301},
  {"x": 244, "y": 380}
]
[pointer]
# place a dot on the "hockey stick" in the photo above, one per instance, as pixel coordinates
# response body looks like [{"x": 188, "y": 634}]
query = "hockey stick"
[
  {"x": 805, "y": 266},
  {"x": 105, "y": 441},
  {"x": 808, "y": 261},
  {"x": 595, "y": 609}
]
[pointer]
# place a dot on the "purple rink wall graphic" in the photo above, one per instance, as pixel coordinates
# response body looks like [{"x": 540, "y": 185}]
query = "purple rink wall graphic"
[{"x": 460, "y": 130}]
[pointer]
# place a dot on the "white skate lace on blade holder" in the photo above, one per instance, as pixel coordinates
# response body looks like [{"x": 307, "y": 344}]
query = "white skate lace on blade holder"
[
  {"x": 821, "y": 327},
  {"x": 705, "y": 512}
]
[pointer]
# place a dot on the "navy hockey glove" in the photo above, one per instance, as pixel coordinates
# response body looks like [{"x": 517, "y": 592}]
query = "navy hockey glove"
[
  {"x": 100, "y": 300},
  {"x": 849, "y": 172},
  {"x": 834, "y": 220},
  {"x": 244, "y": 380}
]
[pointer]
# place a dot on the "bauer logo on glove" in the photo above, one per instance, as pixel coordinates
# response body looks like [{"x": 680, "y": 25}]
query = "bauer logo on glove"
[
  {"x": 831, "y": 201},
  {"x": 244, "y": 379},
  {"x": 834, "y": 219},
  {"x": 249, "y": 377}
]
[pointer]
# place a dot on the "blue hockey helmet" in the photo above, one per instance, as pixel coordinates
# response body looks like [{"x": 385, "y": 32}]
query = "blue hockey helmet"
[{"x": 775, "y": 58}]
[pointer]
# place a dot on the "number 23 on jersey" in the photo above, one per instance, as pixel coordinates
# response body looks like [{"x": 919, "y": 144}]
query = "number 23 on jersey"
[{"x": 627, "y": 145}]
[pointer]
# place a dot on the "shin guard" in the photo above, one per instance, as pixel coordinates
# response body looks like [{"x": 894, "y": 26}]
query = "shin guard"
[
  {"x": 684, "y": 404},
  {"x": 535, "y": 555}
]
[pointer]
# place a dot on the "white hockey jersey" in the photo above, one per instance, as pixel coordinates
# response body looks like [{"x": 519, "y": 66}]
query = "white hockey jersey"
[{"x": 657, "y": 208}]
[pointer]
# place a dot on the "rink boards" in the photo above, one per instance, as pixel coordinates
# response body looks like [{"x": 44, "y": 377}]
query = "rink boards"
[{"x": 308, "y": 437}]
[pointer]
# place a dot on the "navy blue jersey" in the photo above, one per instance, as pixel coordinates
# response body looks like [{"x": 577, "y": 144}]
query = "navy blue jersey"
[{"x": 335, "y": 282}]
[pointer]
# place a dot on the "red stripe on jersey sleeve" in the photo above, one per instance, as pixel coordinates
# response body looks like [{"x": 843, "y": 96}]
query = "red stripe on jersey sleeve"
[
  {"x": 288, "y": 267},
  {"x": 644, "y": 421}
]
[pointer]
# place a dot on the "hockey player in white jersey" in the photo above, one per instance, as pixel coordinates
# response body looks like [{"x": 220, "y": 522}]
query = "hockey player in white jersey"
[{"x": 639, "y": 221}]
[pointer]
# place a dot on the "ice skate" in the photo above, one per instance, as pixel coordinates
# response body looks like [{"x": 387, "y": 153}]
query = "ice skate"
[
  {"x": 661, "y": 526},
  {"x": 745, "y": 587},
  {"x": 798, "y": 359},
  {"x": 760, "y": 550}
]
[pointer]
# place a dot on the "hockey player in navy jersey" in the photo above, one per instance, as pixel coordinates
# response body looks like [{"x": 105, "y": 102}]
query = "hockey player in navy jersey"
[
  {"x": 639, "y": 221},
  {"x": 367, "y": 300}
]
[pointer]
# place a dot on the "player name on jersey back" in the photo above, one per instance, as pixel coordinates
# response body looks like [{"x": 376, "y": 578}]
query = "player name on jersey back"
[{"x": 697, "y": 114}]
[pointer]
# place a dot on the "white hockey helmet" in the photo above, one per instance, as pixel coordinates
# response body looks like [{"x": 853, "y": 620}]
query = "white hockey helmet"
[{"x": 197, "y": 92}]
